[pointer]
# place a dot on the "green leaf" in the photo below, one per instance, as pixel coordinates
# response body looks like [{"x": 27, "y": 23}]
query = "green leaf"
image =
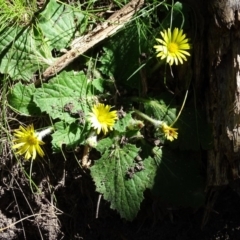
[
  {"x": 65, "y": 97},
  {"x": 7, "y": 36},
  {"x": 106, "y": 67},
  {"x": 70, "y": 135},
  {"x": 112, "y": 179},
  {"x": 174, "y": 18},
  {"x": 28, "y": 50},
  {"x": 121, "y": 57},
  {"x": 122, "y": 124},
  {"x": 160, "y": 109},
  {"x": 178, "y": 178},
  {"x": 27, "y": 54},
  {"x": 20, "y": 99},
  {"x": 194, "y": 132},
  {"x": 98, "y": 84},
  {"x": 104, "y": 145},
  {"x": 59, "y": 23}
]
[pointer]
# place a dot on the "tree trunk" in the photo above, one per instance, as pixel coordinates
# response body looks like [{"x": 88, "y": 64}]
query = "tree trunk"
[
  {"x": 217, "y": 72},
  {"x": 223, "y": 93}
]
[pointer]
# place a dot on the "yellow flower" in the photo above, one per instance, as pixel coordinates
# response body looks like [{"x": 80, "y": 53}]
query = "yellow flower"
[
  {"x": 27, "y": 142},
  {"x": 170, "y": 133},
  {"x": 101, "y": 118},
  {"x": 173, "y": 46}
]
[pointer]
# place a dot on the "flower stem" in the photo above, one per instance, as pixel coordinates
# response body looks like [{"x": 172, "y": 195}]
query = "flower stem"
[
  {"x": 85, "y": 159},
  {"x": 45, "y": 132},
  {"x": 179, "y": 113},
  {"x": 156, "y": 123}
]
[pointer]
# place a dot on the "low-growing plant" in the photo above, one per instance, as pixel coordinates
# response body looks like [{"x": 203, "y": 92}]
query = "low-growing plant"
[{"x": 147, "y": 139}]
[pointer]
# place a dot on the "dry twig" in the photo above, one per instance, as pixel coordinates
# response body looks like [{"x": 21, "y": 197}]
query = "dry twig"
[{"x": 101, "y": 32}]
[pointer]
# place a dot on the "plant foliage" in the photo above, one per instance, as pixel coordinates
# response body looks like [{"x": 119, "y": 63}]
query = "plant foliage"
[{"x": 136, "y": 155}]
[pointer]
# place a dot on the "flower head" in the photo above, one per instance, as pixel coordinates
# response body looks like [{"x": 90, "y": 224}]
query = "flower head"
[
  {"x": 173, "y": 46},
  {"x": 170, "y": 133},
  {"x": 28, "y": 142},
  {"x": 101, "y": 118}
]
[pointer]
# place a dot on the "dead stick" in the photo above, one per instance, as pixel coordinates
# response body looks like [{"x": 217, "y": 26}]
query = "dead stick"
[
  {"x": 85, "y": 159},
  {"x": 12, "y": 224},
  {"x": 101, "y": 32}
]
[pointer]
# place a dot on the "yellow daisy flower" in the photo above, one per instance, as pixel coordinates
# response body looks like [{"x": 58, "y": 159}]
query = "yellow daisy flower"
[
  {"x": 27, "y": 142},
  {"x": 170, "y": 133},
  {"x": 173, "y": 46},
  {"x": 101, "y": 118}
]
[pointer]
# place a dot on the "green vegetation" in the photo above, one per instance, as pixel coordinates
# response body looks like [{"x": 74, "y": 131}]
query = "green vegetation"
[{"x": 156, "y": 139}]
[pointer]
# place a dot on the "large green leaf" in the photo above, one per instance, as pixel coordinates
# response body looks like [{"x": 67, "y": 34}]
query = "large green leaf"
[
  {"x": 25, "y": 51},
  {"x": 7, "y": 36},
  {"x": 65, "y": 97},
  {"x": 67, "y": 134},
  {"x": 116, "y": 177},
  {"x": 25, "y": 55},
  {"x": 59, "y": 23},
  {"x": 20, "y": 99}
]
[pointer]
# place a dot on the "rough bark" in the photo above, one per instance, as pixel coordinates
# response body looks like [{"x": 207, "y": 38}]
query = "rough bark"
[
  {"x": 216, "y": 72},
  {"x": 223, "y": 94}
]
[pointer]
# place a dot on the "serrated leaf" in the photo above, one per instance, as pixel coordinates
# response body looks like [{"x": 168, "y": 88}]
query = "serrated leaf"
[
  {"x": 70, "y": 135},
  {"x": 64, "y": 96},
  {"x": 106, "y": 67},
  {"x": 178, "y": 179},
  {"x": 20, "y": 98},
  {"x": 160, "y": 110},
  {"x": 110, "y": 174},
  {"x": 59, "y": 23},
  {"x": 122, "y": 124},
  {"x": 104, "y": 145}
]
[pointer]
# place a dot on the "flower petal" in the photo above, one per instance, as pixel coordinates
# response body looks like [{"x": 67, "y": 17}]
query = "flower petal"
[
  {"x": 173, "y": 46},
  {"x": 27, "y": 142},
  {"x": 101, "y": 118}
]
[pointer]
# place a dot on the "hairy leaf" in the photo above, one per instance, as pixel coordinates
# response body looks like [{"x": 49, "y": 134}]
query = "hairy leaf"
[
  {"x": 66, "y": 97},
  {"x": 122, "y": 124},
  {"x": 159, "y": 109},
  {"x": 122, "y": 187},
  {"x": 20, "y": 99},
  {"x": 67, "y": 134},
  {"x": 59, "y": 23}
]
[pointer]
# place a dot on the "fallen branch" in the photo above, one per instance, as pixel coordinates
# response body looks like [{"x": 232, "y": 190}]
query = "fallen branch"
[{"x": 101, "y": 32}]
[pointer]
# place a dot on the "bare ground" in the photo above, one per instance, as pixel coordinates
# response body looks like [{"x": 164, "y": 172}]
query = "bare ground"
[{"x": 65, "y": 208}]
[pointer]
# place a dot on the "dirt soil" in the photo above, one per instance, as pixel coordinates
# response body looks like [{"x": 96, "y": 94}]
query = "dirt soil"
[{"x": 66, "y": 206}]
